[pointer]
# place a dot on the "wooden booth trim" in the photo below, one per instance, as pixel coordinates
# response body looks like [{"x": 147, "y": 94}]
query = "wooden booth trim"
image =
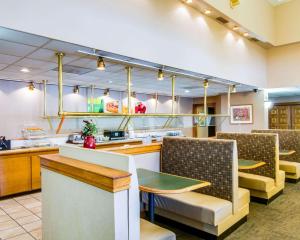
[{"x": 108, "y": 179}]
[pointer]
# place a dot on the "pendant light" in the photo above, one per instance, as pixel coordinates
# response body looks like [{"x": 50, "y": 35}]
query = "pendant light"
[
  {"x": 106, "y": 92},
  {"x": 160, "y": 75},
  {"x": 233, "y": 89},
  {"x": 100, "y": 64}
]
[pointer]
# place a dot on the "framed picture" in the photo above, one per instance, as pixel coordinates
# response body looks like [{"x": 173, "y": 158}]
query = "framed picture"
[{"x": 241, "y": 114}]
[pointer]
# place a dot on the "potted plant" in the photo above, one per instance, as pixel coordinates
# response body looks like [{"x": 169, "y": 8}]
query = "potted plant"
[{"x": 88, "y": 133}]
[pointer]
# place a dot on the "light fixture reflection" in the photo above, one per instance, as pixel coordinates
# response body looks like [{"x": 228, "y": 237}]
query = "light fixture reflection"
[
  {"x": 189, "y": 1},
  {"x": 246, "y": 34},
  {"x": 235, "y": 28},
  {"x": 207, "y": 11},
  {"x": 160, "y": 75},
  {"x": 100, "y": 64},
  {"x": 25, "y": 70}
]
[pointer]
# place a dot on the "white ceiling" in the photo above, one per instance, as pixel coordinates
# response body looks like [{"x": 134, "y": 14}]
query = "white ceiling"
[
  {"x": 19, "y": 50},
  {"x": 278, "y": 2}
]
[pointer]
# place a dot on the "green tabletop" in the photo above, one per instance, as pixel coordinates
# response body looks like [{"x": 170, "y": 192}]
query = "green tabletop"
[
  {"x": 286, "y": 152},
  {"x": 249, "y": 164},
  {"x": 157, "y": 182}
]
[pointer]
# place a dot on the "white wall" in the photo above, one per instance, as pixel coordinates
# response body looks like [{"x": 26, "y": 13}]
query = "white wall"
[
  {"x": 259, "y": 112},
  {"x": 283, "y": 66},
  {"x": 19, "y": 107},
  {"x": 256, "y": 16},
  {"x": 166, "y": 32}
]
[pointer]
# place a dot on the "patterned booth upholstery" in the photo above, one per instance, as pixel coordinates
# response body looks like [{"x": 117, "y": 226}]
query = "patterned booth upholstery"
[
  {"x": 288, "y": 140},
  {"x": 265, "y": 182},
  {"x": 212, "y": 209}
]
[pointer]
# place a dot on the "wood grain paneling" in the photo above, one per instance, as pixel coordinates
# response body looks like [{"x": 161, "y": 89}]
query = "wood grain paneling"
[
  {"x": 136, "y": 150},
  {"x": 15, "y": 175},
  {"x": 108, "y": 179},
  {"x": 35, "y": 172}
]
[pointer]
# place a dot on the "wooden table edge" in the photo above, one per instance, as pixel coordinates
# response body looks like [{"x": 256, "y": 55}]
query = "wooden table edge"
[
  {"x": 259, "y": 164},
  {"x": 182, "y": 190},
  {"x": 288, "y": 153}
]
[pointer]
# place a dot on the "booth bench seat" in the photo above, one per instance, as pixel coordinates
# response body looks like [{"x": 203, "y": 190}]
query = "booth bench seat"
[
  {"x": 150, "y": 231},
  {"x": 199, "y": 207},
  {"x": 292, "y": 170},
  {"x": 261, "y": 186}
]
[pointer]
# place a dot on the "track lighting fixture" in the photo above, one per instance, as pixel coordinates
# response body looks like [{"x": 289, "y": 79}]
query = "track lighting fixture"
[
  {"x": 133, "y": 94},
  {"x": 233, "y": 89},
  {"x": 106, "y": 92},
  {"x": 205, "y": 84},
  {"x": 160, "y": 75},
  {"x": 76, "y": 89},
  {"x": 100, "y": 64},
  {"x": 31, "y": 86}
]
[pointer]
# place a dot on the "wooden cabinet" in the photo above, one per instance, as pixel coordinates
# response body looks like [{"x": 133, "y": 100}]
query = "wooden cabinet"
[
  {"x": 35, "y": 172},
  {"x": 15, "y": 175},
  {"x": 280, "y": 117},
  {"x": 285, "y": 116}
]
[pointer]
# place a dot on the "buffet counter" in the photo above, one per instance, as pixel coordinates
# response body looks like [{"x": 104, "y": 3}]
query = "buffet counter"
[{"x": 20, "y": 169}]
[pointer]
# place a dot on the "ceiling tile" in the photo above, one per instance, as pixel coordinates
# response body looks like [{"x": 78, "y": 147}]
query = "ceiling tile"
[
  {"x": 36, "y": 64},
  {"x": 7, "y": 59},
  {"x": 15, "y": 49},
  {"x": 21, "y": 37}
]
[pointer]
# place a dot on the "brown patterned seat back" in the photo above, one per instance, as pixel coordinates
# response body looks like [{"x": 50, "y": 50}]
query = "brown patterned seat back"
[
  {"x": 288, "y": 140},
  {"x": 210, "y": 160},
  {"x": 258, "y": 147}
]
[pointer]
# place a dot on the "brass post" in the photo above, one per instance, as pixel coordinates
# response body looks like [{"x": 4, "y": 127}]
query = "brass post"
[
  {"x": 60, "y": 56},
  {"x": 92, "y": 97},
  {"x": 128, "y": 68},
  {"x": 173, "y": 94},
  {"x": 205, "y": 85},
  {"x": 228, "y": 100},
  {"x": 45, "y": 97}
]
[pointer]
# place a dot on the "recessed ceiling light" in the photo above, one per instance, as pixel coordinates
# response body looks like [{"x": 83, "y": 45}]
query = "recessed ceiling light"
[
  {"x": 207, "y": 12},
  {"x": 25, "y": 70},
  {"x": 110, "y": 81},
  {"x": 235, "y": 28},
  {"x": 246, "y": 34},
  {"x": 186, "y": 91}
]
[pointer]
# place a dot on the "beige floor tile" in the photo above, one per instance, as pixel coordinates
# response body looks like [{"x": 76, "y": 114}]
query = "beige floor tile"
[
  {"x": 39, "y": 194},
  {"x": 2, "y": 212},
  {"x": 35, "y": 209},
  {"x": 39, "y": 214},
  {"x": 4, "y": 218},
  {"x": 15, "y": 209},
  {"x": 22, "y": 197},
  {"x": 38, "y": 198},
  {"x": 25, "y": 236},
  {"x": 37, "y": 234},
  {"x": 23, "y": 213},
  {"x": 11, "y": 205},
  {"x": 7, "y": 225},
  {"x": 33, "y": 226},
  {"x": 27, "y": 201},
  {"x": 28, "y": 219},
  {"x": 6, "y": 202},
  {"x": 33, "y": 205},
  {"x": 12, "y": 232}
]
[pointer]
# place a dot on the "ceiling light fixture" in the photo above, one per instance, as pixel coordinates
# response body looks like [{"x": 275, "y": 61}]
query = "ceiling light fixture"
[
  {"x": 233, "y": 89},
  {"x": 246, "y": 34},
  {"x": 76, "y": 89},
  {"x": 106, "y": 92},
  {"x": 186, "y": 91},
  {"x": 100, "y": 64},
  {"x": 25, "y": 70},
  {"x": 160, "y": 75},
  {"x": 189, "y": 1},
  {"x": 31, "y": 86},
  {"x": 207, "y": 12}
]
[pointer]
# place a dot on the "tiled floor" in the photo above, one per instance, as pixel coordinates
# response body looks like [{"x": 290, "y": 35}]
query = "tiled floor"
[{"x": 20, "y": 218}]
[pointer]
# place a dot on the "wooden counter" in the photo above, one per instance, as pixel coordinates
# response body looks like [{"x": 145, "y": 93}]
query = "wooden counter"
[
  {"x": 108, "y": 179},
  {"x": 20, "y": 169},
  {"x": 137, "y": 149}
]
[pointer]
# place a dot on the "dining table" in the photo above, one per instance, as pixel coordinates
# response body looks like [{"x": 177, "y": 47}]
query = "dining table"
[
  {"x": 152, "y": 183},
  {"x": 246, "y": 164},
  {"x": 286, "y": 152}
]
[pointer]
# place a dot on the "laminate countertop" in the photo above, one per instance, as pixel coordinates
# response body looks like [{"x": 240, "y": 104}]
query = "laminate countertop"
[{"x": 109, "y": 144}]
